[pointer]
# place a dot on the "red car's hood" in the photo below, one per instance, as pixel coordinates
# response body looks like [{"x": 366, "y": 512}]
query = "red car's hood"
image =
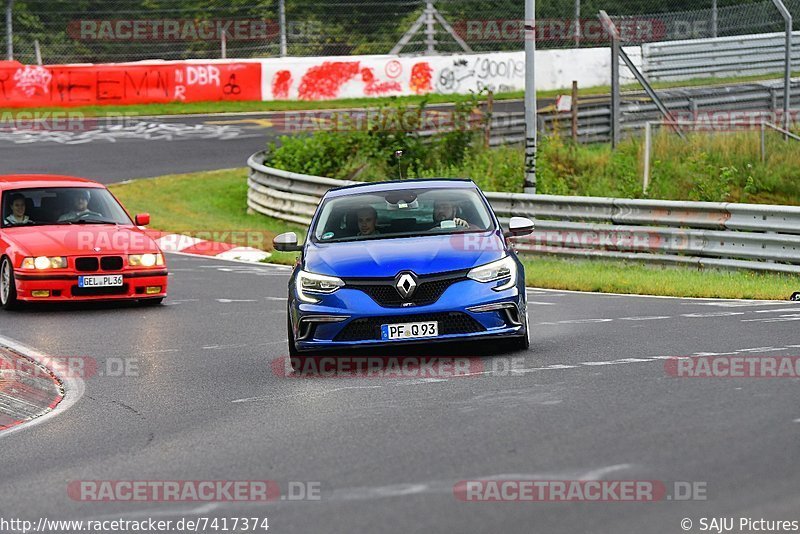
[{"x": 78, "y": 240}]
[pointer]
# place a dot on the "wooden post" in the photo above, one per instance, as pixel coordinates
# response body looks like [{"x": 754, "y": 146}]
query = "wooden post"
[
  {"x": 487, "y": 131},
  {"x": 574, "y": 111}
]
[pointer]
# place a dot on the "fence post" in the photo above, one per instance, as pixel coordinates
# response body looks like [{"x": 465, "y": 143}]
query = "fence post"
[
  {"x": 282, "y": 22},
  {"x": 531, "y": 122},
  {"x": 430, "y": 28},
  {"x": 223, "y": 45},
  {"x": 763, "y": 142},
  {"x": 714, "y": 19},
  {"x": 787, "y": 79},
  {"x": 648, "y": 139},
  {"x": 10, "y": 30},
  {"x": 37, "y": 50}
]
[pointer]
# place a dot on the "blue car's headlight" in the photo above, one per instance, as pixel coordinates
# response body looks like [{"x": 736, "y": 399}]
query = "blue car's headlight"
[
  {"x": 310, "y": 283},
  {"x": 505, "y": 269}
]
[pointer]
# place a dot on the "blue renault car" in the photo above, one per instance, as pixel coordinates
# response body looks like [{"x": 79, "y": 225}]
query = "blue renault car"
[{"x": 412, "y": 261}]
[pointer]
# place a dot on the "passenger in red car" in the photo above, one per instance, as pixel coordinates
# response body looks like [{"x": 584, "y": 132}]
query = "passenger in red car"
[{"x": 17, "y": 211}]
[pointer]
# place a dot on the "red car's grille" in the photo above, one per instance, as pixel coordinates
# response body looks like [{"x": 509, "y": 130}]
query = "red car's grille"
[
  {"x": 91, "y": 265},
  {"x": 87, "y": 265}
]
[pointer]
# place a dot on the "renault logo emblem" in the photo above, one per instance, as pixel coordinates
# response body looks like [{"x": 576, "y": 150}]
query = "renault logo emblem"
[{"x": 406, "y": 284}]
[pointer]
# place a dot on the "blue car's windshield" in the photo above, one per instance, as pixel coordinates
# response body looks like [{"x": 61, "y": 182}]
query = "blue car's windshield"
[{"x": 402, "y": 213}]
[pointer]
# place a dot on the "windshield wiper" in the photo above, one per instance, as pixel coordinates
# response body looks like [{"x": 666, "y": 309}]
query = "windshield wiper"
[{"x": 93, "y": 221}]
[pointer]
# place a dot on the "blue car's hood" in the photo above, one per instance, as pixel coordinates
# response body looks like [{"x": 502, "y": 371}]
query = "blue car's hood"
[{"x": 387, "y": 257}]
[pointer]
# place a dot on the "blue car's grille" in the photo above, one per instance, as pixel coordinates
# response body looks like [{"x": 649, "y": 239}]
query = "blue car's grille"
[
  {"x": 370, "y": 328},
  {"x": 428, "y": 291}
]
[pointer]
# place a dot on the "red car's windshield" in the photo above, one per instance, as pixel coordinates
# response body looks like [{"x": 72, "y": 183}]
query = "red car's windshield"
[{"x": 61, "y": 205}]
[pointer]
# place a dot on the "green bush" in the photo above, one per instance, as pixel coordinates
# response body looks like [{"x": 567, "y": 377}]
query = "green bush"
[{"x": 705, "y": 167}]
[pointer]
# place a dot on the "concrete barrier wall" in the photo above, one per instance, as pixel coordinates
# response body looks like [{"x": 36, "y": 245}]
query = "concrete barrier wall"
[{"x": 306, "y": 78}]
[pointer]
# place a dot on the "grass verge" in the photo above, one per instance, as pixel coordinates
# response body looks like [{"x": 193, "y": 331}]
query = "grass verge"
[{"x": 216, "y": 202}]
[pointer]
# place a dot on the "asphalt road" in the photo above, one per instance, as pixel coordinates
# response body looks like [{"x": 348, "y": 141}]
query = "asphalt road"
[
  {"x": 114, "y": 150},
  {"x": 592, "y": 401}
]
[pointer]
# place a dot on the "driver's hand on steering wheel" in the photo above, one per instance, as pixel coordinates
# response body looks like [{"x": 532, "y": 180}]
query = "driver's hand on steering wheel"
[{"x": 461, "y": 222}]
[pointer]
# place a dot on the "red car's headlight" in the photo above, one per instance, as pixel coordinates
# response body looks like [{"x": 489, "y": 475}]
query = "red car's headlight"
[
  {"x": 42, "y": 263},
  {"x": 146, "y": 260}
]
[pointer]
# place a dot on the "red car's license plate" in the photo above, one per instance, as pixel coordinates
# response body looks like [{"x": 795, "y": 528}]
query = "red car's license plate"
[{"x": 100, "y": 281}]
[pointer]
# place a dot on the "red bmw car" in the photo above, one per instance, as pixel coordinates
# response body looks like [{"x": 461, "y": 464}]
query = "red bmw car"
[{"x": 69, "y": 239}]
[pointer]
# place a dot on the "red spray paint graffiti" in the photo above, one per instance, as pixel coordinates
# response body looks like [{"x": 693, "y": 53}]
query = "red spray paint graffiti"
[
  {"x": 281, "y": 83},
  {"x": 325, "y": 81},
  {"x": 421, "y": 76},
  {"x": 375, "y": 87}
]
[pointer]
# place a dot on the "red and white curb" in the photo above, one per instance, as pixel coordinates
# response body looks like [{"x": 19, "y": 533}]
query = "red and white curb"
[
  {"x": 200, "y": 247},
  {"x": 28, "y": 389}
]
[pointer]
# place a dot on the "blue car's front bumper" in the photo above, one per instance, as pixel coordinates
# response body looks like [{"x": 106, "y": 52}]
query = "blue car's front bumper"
[{"x": 349, "y": 317}]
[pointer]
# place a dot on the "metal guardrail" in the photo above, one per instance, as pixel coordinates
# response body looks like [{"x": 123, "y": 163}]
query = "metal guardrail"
[
  {"x": 594, "y": 117},
  {"x": 742, "y": 55},
  {"x": 724, "y": 235}
]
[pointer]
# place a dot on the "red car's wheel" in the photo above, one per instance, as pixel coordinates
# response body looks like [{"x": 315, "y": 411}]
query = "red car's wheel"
[{"x": 8, "y": 289}]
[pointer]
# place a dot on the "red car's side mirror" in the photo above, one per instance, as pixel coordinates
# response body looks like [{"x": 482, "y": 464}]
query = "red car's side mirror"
[{"x": 143, "y": 219}]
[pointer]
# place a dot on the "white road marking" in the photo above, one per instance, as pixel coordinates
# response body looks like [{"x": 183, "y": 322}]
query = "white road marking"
[
  {"x": 739, "y": 303},
  {"x": 781, "y": 319},
  {"x": 220, "y": 347},
  {"x": 653, "y": 318},
  {"x": 535, "y": 303},
  {"x": 234, "y": 301},
  {"x": 713, "y": 314},
  {"x": 305, "y": 394},
  {"x": 585, "y": 321},
  {"x": 277, "y": 298},
  {"x": 777, "y": 311},
  {"x": 446, "y": 486}
]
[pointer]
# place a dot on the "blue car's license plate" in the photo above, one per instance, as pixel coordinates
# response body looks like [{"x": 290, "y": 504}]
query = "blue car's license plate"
[{"x": 410, "y": 330}]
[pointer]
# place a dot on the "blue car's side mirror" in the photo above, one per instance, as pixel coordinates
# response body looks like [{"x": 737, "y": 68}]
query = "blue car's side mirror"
[
  {"x": 519, "y": 226},
  {"x": 286, "y": 243}
]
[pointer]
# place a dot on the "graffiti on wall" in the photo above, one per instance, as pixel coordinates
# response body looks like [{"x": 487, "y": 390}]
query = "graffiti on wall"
[
  {"x": 476, "y": 73},
  {"x": 25, "y": 85},
  {"x": 385, "y": 76}
]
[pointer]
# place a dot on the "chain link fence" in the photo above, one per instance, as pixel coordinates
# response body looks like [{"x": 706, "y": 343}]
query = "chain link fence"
[{"x": 70, "y": 31}]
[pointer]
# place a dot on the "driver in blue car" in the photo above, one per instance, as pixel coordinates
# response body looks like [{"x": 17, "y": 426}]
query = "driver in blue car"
[
  {"x": 367, "y": 221},
  {"x": 80, "y": 208},
  {"x": 445, "y": 210}
]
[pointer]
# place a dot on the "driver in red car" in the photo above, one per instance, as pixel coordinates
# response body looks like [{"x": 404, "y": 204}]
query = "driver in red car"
[
  {"x": 17, "y": 211},
  {"x": 80, "y": 208}
]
